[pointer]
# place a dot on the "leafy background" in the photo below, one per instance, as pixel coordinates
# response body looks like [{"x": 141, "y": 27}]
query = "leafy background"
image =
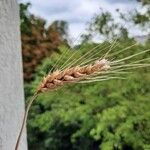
[{"x": 110, "y": 115}]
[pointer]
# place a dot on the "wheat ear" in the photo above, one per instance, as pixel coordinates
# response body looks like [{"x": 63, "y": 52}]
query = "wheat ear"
[
  {"x": 59, "y": 78},
  {"x": 72, "y": 75}
]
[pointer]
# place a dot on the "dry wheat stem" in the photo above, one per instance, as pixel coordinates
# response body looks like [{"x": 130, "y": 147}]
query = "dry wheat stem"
[
  {"x": 24, "y": 120},
  {"x": 101, "y": 69}
]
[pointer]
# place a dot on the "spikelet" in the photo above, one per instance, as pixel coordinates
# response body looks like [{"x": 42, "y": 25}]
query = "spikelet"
[{"x": 72, "y": 75}]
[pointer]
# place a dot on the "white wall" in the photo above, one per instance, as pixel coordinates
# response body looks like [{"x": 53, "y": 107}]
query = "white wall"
[{"x": 11, "y": 81}]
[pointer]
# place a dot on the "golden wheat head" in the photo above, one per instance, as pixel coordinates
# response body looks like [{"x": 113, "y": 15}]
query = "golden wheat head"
[{"x": 72, "y": 75}]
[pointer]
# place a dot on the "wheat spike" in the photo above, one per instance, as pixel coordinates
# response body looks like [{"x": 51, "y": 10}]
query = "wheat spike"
[
  {"x": 100, "y": 70},
  {"x": 72, "y": 75},
  {"x": 59, "y": 78}
]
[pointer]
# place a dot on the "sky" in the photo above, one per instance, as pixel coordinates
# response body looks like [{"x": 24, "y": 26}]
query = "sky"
[{"x": 78, "y": 12}]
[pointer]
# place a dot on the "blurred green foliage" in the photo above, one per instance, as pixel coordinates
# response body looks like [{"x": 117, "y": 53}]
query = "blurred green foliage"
[
  {"x": 108, "y": 115},
  {"x": 25, "y": 18}
]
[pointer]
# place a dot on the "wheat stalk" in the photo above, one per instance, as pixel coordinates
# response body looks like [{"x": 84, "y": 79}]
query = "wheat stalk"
[
  {"x": 99, "y": 70},
  {"x": 59, "y": 78}
]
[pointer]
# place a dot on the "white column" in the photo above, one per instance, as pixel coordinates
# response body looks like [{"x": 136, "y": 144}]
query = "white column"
[{"x": 11, "y": 77}]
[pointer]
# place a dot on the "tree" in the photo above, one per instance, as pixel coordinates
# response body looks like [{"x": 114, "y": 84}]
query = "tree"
[
  {"x": 61, "y": 27},
  {"x": 143, "y": 19},
  {"x": 38, "y": 41},
  {"x": 110, "y": 115},
  {"x": 104, "y": 25}
]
